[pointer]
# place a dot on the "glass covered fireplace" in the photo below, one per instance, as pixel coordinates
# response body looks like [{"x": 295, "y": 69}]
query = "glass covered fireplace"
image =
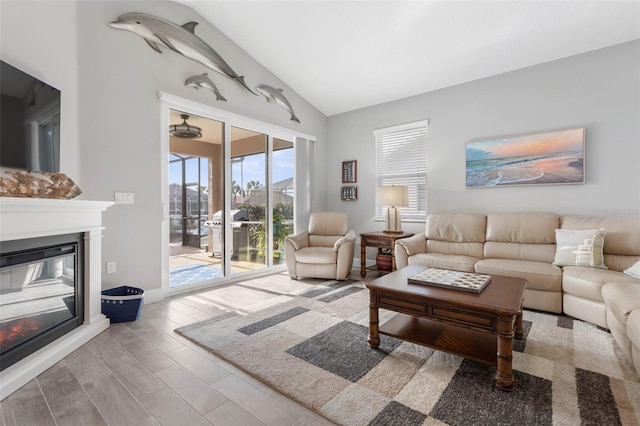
[{"x": 41, "y": 293}]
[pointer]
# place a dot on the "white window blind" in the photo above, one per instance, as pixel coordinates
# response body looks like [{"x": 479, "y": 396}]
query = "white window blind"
[{"x": 401, "y": 159}]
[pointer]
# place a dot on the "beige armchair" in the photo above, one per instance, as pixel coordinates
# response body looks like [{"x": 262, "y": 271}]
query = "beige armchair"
[{"x": 324, "y": 251}]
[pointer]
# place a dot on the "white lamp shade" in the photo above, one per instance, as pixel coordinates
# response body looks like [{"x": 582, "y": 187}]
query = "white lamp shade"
[{"x": 394, "y": 196}]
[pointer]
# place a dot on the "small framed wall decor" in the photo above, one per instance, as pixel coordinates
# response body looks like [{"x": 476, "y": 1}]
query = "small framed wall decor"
[
  {"x": 349, "y": 193},
  {"x": 349, "y": 171}
]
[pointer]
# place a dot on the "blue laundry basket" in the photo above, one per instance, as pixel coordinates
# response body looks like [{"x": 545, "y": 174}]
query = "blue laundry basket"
[{"x": 122, "y": 304}]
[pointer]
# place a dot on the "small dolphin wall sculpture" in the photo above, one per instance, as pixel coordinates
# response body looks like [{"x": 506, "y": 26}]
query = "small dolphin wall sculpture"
[
  {"x": 275, "y": 95},
  {"x": 203, "y": 81},
  {"x": 181, "y": 39}
]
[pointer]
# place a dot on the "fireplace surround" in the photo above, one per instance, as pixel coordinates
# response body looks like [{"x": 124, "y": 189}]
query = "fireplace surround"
[{"x": 37, "y": 219}]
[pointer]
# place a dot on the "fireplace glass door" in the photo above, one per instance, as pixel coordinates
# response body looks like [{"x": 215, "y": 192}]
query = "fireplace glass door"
[{"x": 40, "y": 294}]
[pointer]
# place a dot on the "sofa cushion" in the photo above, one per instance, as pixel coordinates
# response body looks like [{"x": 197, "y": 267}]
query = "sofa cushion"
[
  {"x": 470, "y": 249},
  {"x": 587, "y": 282},
  {"x": 517, "y": 251},
  {"x": 633, "y": 270},
  {"x": 622, "y": 242},
  {"x": 524, "y": 228},
  {"x": 541, "y": 276},
  {"x": 328, "y": 223},
  {"x": 580, "y": 247},
  {"x": 316, "y": 255},
  {"x": 456, "y": 227},
  {"x": 444, "y": 261},
  {"x": 525, "y": 236},
  {"x": 622, "y": 298},
  {"x": 324, "y": 240}
]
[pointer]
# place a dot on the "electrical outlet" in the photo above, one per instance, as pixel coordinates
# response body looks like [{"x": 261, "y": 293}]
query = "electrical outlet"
[{"x": 111, "y": 267}]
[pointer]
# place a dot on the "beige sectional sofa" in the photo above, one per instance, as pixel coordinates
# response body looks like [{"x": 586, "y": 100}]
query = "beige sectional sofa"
[
  {"x": 523, "y": 244},
  {"x": 623, "y": 317}
]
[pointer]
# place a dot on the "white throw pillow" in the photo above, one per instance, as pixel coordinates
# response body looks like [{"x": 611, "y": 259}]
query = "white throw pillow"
[
  {"x": 582, "y": 247},
  {"x": 633, "y": 270}
]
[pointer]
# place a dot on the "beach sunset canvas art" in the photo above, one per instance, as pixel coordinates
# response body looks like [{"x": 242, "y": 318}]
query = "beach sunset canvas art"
[{"x": 540, "y": 159}]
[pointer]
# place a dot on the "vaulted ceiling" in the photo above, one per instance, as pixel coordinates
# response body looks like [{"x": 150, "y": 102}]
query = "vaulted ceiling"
[{"x": 346, "y": 55}]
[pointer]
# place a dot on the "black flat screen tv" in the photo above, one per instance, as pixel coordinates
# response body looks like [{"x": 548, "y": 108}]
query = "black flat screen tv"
[{"x": 29, "y": 122}]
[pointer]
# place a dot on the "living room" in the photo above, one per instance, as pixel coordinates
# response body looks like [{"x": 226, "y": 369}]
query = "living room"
[
  {"x": 117, "y": 121},
  {"x": 113, "y": 121}
]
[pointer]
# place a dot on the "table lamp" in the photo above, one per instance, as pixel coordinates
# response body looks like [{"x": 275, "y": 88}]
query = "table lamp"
[{"x": 394, "y": 196}]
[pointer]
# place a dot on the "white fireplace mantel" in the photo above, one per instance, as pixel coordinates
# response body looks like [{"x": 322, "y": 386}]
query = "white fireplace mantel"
[{"x": 22, "y": 218}]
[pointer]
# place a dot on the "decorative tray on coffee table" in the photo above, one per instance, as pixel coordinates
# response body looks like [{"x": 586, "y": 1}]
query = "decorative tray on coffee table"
[{"x": 464, "y": 281}]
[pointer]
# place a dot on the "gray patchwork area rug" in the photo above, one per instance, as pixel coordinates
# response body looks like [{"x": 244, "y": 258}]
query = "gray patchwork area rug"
[{"x": 314, "y": 349}]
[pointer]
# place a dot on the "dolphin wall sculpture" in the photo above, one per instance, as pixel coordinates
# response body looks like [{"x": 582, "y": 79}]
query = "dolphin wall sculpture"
[
  {"x": 181, "y": 39},
  {"x": 203, "y": 81},
  {"x": 275, "y": 95}
]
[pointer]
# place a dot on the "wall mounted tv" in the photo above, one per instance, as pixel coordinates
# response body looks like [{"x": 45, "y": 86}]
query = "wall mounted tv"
[{"x": 29, "y": 122}]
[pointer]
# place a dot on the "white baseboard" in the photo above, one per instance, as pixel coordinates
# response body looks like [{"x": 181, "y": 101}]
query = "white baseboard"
[{"x": 155, "y": 295}]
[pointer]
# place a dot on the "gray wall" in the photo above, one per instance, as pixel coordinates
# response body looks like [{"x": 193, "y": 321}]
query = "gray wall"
[
  {"x": 599, "y": 91},
  {"x": 110, "y": 81}
]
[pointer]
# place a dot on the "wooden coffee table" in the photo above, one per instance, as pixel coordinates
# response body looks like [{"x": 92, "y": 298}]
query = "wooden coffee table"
[{"x": 471, "y": 325}]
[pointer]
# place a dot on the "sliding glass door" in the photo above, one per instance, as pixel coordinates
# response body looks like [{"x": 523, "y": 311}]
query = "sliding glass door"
[
  {"x": 283, "y": 196},
  {"x": 249, "y": 198},
  {"x": 231, "y": 201},
  {"x": 262, "y": 170},
  {"x": 196, "y": 203}
]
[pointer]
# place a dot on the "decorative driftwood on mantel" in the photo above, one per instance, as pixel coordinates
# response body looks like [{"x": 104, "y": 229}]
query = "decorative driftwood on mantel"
[{"x": 25, "y": 184}]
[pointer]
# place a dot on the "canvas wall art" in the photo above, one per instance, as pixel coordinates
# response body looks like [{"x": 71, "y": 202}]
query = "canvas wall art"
[{"x": 539, "y": 159}]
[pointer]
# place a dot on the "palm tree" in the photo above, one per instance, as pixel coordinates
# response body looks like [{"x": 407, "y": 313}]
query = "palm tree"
[
  {"x": 251, "y": 185},
  {"x": 236, "y": 189}
]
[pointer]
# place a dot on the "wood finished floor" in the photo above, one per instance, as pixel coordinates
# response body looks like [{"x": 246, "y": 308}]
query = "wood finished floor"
[{"x": 142, "y": 373}]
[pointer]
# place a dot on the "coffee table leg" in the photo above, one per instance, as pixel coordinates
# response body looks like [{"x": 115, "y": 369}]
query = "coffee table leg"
[
  {"x": 504, "y": 374},
  {"x": 519, "y": 329},
  {"x": 374, "y": 337}
]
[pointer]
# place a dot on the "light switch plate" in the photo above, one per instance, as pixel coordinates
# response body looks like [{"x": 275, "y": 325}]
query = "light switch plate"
[{"x": 124, "y": 197}]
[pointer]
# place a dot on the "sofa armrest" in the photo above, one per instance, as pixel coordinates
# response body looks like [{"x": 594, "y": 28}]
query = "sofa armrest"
[
  {"x": 349, "y": 236},
  {"x": 406, "y": 247},
  {"x": 298, "y": 241},
  {"x": 344, "y": 250},
  {"x": 413, "y": 245}
]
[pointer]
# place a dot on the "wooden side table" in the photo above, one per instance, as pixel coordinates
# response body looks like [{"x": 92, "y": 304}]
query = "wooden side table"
[{"x": 380, "y": 240}]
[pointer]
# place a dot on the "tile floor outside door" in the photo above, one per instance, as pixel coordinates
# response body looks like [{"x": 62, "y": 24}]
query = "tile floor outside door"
[{"x": 189, "y": 265}]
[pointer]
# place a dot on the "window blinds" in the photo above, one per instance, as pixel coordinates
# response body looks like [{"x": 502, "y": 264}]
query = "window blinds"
[{"x": 401, "y": 159}]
